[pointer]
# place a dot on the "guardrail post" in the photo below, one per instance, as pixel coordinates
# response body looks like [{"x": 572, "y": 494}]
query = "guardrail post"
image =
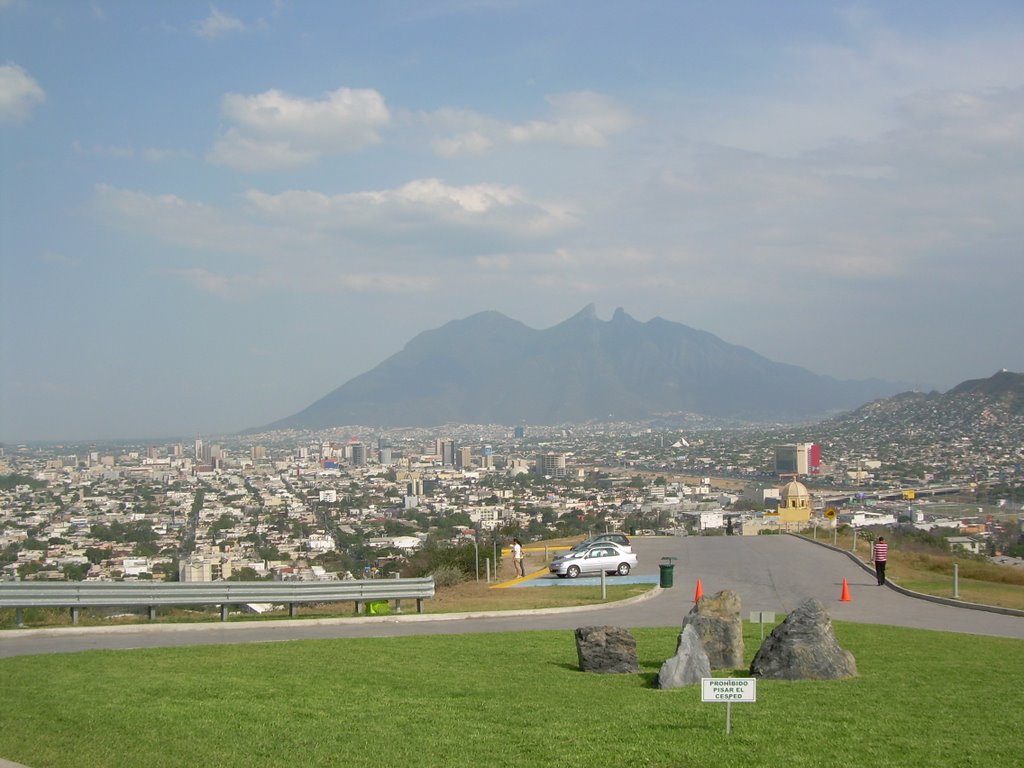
[
  {"x": 74, "y": 614},
  {"x": 291, "y": 610},
  {"x": 223, "y": 611},
  {"x": 152, "y": 613},
  {"x": 956, "y": 581},
  {"x": 19, "y": 617}
]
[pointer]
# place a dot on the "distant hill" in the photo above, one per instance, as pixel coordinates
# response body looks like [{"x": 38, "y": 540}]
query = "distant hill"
[
  {"x": 995, "y": 403},
  {"x": 490, "y": 369}
]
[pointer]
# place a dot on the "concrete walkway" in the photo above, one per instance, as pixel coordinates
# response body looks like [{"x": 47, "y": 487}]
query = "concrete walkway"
[{"x": 770, "y": 573}]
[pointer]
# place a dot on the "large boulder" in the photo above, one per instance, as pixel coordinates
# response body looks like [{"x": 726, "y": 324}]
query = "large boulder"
[
  {"x": 803, "y": 647},
  {"x": 689, "y": 665},
  {"x": 606, "y": 650},
  {"x": 719, "y": 625}
]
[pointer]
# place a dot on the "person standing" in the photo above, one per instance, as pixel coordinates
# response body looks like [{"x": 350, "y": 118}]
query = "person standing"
[
  {"x": 880, "y": 554},
  {"x": 517, "y": 558}
]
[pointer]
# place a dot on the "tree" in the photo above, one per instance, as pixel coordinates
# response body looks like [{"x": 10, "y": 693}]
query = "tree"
[
  {"x": 245, "y": 573},
  {"x": 76, "y": 571},
  {"x": 95, "y": 555},
  {"x": 27, "y": 569},
  {"x": 269, "y": 552}
]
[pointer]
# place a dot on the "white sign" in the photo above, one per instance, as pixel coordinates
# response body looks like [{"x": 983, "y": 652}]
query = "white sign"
[{"x": 728, "y": 689}]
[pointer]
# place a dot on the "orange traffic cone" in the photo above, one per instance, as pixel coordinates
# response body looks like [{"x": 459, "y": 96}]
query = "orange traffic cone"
[
  {"x": 699, "y": 593},
  {"x": 845, "y": 597}
]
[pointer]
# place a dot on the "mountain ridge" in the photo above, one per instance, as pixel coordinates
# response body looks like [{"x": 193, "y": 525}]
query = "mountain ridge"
[{"x": 489, "y": 368}]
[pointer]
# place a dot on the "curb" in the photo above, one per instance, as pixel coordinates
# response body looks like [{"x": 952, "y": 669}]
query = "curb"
[
  {"x": 134, "y": 629},
  {"x": 909, "y": 592}
]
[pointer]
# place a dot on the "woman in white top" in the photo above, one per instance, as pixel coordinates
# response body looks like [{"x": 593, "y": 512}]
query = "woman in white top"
[{"x": 517, "y": 558}]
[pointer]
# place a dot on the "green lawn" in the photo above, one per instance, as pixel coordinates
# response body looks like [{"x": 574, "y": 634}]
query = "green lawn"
[{"x": 922, "y": 699}]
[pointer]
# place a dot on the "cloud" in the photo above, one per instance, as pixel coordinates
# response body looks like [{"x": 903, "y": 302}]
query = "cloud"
[
  {"x": 176, "y": 221},
  {"x": 317, "y": 278},
  {"x": 577, "y": 119},
  {"x": 19, "y": 94},
  {"x": 218, "y": 24},
  {"x": 420, "y": 205},
  {"x": 845, "y": 90},
  {"x": 399, "y": 240},
  {"x": 275, "y": 131},
  {"x": 582, "y": 118}
]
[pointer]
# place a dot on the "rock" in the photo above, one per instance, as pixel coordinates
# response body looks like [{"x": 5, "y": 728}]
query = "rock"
[
  {"x": 803, "y": 647},
  {"x": 606, "y": 650},
  {"x": 689, "y": 665},
  {"x": 719, "y": 625}
]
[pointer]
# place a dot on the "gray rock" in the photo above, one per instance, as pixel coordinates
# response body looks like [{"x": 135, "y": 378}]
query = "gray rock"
[
  {"x": 718, "y": 622},
  {"x": 803, "y": 647},
  {"x": 689, "y": 664},
  {"x": 606, "y": 650}
]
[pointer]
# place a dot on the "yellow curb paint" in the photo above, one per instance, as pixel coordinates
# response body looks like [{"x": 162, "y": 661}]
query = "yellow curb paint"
[
  {"x": 508, "y": 550},
  {"x": 519, "y": 579}
]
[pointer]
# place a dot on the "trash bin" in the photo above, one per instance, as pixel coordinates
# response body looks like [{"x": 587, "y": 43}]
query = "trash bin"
[{"x": 667, "y": 574}]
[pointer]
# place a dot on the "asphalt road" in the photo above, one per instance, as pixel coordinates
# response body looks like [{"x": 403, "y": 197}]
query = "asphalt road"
[{"x": 770, "y": 573}]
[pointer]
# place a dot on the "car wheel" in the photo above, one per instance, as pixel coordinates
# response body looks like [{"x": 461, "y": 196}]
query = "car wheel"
[
  {"x": 623, "y": 569},
  {"x": 572, "y": 571}
]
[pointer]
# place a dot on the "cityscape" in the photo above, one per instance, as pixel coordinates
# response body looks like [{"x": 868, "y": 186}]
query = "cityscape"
[
  {"x": 358, "y": 503},
  {"x": 500, "y": 382}
]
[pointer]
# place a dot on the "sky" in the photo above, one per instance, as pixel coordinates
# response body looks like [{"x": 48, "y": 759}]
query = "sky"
[{"x": 211, "y": 215}]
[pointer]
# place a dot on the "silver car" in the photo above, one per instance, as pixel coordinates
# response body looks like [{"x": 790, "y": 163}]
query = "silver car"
[{"x": 598, "y": 558}]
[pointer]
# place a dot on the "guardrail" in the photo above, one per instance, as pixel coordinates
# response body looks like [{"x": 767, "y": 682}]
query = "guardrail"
[{"x": 86, "y": 594}]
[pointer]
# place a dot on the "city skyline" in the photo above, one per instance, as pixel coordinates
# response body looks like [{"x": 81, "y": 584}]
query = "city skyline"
[{"x": 214, "y": 214}]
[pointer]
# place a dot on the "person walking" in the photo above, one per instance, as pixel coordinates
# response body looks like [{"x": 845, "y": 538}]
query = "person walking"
[
  {"x": 517, "y": 558},
  {"x": 880, "y": 554}
]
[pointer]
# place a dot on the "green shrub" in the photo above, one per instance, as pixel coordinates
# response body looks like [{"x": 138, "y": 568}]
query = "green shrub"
[{"x": 447, "y": 576}]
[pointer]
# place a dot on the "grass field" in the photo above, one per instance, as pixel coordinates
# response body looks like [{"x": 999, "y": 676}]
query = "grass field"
[
  {"x": 921, "y": 699},
  {"x": 932, "y": 574}
]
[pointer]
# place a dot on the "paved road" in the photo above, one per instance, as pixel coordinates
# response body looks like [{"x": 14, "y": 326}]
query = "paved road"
[{"x": 770, "y": 573}]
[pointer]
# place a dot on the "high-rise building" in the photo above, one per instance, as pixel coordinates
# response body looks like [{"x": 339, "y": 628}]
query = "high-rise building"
[
  {"x": 446, "y": 451},
  {"x": 464, "y": 458},
  {"x": 358, "y": 455},
  {"x": 797, "y": 459},
  {"x": 551, "y": 464}
]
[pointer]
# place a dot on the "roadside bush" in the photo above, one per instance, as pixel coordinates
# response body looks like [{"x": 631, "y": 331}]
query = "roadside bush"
[
  {"x": 435, "y": 555},
  {"x": 447, "y": 576}
]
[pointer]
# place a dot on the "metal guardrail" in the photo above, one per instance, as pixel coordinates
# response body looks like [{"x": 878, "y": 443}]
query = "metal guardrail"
[{"x": 78, "y": 595}]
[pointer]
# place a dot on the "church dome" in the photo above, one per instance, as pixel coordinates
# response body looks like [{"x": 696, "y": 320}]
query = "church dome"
[{"x": 794, "y": 494}]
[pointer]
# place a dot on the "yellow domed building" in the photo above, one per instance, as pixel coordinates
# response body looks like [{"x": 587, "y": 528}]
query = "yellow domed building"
[{"x": 794, "y": 506}]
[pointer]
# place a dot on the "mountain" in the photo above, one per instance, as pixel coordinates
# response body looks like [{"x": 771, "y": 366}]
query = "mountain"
[
  {"x": 490, "y": 369},
  {"x": 995, "y": 404}
]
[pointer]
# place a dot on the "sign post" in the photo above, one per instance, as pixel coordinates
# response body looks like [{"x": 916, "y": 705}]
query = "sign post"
[
  {"x": 762, "y": 618},
  {"x": 716, "y": 690}
]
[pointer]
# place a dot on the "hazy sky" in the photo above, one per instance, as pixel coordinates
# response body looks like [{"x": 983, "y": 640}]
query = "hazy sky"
[{"x": 212, "y": 215}]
